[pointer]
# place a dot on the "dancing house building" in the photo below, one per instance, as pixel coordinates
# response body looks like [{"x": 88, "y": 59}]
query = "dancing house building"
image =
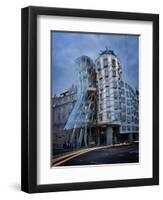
[{"x": 106, "y": 108}]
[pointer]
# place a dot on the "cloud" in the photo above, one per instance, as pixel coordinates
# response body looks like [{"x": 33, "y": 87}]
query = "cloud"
[{"x": 66, "y": 47}]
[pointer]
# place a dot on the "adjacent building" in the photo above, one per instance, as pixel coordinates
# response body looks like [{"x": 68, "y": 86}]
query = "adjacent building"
[{"x": 62, "y": 106}]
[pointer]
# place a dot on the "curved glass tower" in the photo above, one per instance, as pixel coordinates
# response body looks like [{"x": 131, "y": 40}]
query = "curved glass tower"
[{"x": 83, "y": 114}]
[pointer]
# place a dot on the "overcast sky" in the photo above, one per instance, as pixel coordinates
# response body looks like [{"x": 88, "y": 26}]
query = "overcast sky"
[{"x": 66, "y": 47}]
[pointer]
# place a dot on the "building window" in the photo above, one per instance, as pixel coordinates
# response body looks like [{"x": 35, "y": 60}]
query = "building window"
[
  {"x": 116, "y": 105},
  {"x": 117, "y": 116},
  {"x": 123, "y": 118},
  {"x": 136, "y": 121},
  {"x": 105, "y": 61},
  {"x": 114, "y": 84},
  {"x": 123, "y": 128},
  {"x": 100, "y": 84},
  {"x": 106, "y": 72},
  {"x": 113, "y": 73},
  {"x": 122, "y": 91},
  {"x": 108, "y": 115},
  {"x": 128, "y": 128},
  {"x": 98, "y": 66},
  {"x": 115, "y": 95},
  {"x": 134, "y": 112},
  {"x": 107, "y": 82},
  {"x": 128, "y": 102},
  {"x": 107, "y": 93},
  {"x": 112, "y": 117},
  {"x": 121, "y": 83},
  {"x": 128, "y": 120},
  {"x": 113, "y": 63},
  {"x": 124, "y": 109},
  {"x": 128, "y": 111},
  {"x": 101, "y": 106},
  {"x": 100, "y": 117},
  {"x": 132, "y": 119},
  {"x": 123, "y": 100},
  {"x": 108, "y": 104},
  {"x": 127, "y": 93}
]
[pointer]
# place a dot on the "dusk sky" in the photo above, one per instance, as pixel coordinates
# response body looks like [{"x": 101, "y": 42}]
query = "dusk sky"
[{"x": 67, "y": 46}]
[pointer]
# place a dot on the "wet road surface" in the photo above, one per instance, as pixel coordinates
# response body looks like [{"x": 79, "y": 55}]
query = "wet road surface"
[{"x": 107, "y": 155}]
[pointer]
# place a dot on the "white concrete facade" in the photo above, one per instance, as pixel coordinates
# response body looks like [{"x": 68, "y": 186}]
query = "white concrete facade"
[{"x": 118, "y": 102}]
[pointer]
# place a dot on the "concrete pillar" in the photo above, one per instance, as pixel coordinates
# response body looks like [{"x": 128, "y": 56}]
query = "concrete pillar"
[
  {"x": 130, "y": 137},
  {"x": 85, "y": 137},
  {"x": 72, "y": 136},
  {"x": 98, "y": 137},
  {"x": 109, "y": 135},
  {"x": 115, "y": 139},
  {"x": 80, "y": 137},
  {"x": 90, "y": 135}
]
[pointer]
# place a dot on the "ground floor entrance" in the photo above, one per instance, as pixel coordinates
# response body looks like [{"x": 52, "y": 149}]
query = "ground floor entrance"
[
  {"x": 98, "y": 136},
  {"x": 108, "y": 135}
]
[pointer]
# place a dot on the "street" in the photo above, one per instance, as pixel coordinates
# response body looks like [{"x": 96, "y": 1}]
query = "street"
[{"x": 101, "y": 155}]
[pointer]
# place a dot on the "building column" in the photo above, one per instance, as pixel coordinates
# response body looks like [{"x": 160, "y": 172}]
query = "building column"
[
  {"x": 109, "y": 135},
  {"x": 115, "y": 139},
  {"x": 72, "y": 136},
  {"x": 80, "y": 139},
  {"x": 89, "y": 135},
  {"x": 85, "y": 137},
  {"x": 98, "y": 136},
  {"x": 130, "y": 137}
]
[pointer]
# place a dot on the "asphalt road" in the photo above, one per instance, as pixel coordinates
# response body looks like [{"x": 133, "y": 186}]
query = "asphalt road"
[{"x": 113, "y": 155}]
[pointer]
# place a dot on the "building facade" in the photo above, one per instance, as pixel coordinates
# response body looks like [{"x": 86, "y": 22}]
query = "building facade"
[
  {"x": 118, "y": 103},
  {"x": 62, "y": 106},
  {"x": 104, "y": 109}
]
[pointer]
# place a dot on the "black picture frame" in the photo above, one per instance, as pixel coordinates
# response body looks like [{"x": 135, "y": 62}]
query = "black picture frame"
[{"x": 29, "y": 98}]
